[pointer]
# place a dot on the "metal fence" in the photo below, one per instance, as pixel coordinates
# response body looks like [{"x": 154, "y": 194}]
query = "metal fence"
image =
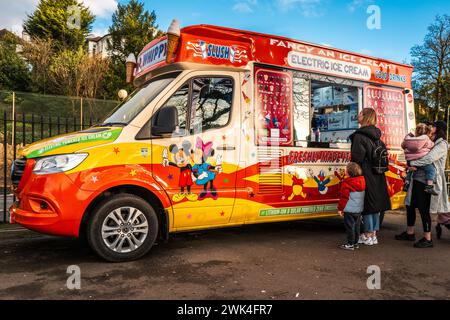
[{"x": 26, "y": 118}]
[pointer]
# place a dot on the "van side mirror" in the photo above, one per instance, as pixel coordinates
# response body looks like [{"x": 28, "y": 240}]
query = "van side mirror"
[{"x": 165, "y": 121}]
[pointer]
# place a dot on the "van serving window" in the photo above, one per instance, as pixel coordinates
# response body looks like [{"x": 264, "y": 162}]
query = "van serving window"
[{"x": 325, "y": 110}]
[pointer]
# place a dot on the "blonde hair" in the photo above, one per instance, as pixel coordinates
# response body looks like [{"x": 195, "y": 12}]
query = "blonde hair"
[
  {"x": 369, "y": 117},
  {"x": 354, "y": 170},
  {"x": 422, "y": 129}
]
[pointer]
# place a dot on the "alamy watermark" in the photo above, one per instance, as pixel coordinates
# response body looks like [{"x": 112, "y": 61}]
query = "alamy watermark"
[
  {"x": 374, "y": 280},
  {"x": 74, "y": 280},
  {"x": 74, "y": 19},
  {"x": 374, "y": 20}
]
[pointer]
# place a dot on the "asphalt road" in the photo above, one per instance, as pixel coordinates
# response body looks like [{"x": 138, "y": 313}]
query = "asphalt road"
[{"x": 299, "y": 260}]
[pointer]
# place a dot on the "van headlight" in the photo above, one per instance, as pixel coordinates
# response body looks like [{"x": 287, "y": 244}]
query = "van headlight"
[{"x": 60, "y": 163}]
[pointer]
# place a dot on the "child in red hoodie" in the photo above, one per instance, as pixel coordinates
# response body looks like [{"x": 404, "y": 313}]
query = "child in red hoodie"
[{"x": 351, "y": 204}]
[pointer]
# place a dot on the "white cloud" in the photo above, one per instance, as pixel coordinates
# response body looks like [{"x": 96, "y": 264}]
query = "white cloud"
[
  {"x": 356, "y": 4},
  {"x": 101, "y": 8},
  {"x": 12, "y": 13},
  {"x": 245, "y": 6},
  {"x": 307, "y": 8},
  {"x": 242, "y": 7}
]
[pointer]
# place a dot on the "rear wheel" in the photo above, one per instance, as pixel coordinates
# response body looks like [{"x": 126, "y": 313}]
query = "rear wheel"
[{"x": 123, "y": 228}]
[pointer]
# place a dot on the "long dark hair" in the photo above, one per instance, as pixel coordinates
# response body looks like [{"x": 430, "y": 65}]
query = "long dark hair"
[
  {"x": 440, "y": 134},
  {"x": 441, "y": 130}
]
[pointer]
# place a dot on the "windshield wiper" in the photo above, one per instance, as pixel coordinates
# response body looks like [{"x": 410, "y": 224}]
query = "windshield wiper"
[{"x": 111, "y": 124}]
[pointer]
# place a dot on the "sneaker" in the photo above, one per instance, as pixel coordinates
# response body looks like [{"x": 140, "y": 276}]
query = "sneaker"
[
  {"x": 374, "y": 240},
  {"x": 362, "y": 239},
  {"x": 405, "y": 237},
  {"x": 430, "y": 189},
  {"x": 423, "y": 243},
  {"x": 356, "y": 246},
  {"x": 348, "y": 247},
  {"x": 368, "y": 242}
]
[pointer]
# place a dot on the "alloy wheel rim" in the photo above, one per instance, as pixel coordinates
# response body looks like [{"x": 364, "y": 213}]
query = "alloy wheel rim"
[{"x": 124, "y": 229}]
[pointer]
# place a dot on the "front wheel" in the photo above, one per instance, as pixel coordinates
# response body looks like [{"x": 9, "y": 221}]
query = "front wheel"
[{"x": 123, "y": 228}]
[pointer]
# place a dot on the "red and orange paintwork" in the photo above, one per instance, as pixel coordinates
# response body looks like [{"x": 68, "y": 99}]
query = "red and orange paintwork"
[{"x": 126, "y": 161}]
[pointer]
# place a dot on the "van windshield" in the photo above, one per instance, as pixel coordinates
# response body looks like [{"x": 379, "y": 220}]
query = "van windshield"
[{"x": 124, "y": 113}]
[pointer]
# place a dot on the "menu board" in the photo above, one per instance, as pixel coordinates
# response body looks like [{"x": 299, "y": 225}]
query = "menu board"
[
  {"x": 389, "y": 105},
  {"x": 274, "y": 107}
]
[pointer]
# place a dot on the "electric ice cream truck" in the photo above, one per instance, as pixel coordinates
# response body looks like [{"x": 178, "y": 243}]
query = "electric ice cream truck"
[{"x": 225, "y": 128}]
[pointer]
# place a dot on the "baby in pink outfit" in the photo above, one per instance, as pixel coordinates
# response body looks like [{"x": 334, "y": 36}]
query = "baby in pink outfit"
[{"x": 416, "y": 147}]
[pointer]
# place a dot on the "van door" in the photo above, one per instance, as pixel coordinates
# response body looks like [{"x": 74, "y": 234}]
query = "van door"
[{"x": 197, "y": 165}]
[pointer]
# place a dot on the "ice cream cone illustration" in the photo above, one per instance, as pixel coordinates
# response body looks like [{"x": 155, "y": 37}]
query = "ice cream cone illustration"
[
  {"x": 131, "y": 66},
  {"x": 173, "y": 37}
]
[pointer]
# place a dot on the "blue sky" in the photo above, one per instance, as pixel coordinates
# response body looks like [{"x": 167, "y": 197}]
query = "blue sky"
[{"x": 339, "y": 23}]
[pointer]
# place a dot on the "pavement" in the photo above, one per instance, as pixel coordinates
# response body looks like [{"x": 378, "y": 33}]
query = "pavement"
[{"x": 295, "y": 260}]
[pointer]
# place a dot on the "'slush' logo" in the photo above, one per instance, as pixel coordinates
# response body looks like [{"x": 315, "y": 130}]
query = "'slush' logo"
[{"x": 206, "y": 50}]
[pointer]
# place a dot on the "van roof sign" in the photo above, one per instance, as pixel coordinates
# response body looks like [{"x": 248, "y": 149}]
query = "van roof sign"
[{"x": 213, "y": 45}]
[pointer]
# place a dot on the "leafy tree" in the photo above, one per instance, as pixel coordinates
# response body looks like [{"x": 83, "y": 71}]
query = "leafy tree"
[
  {"x": 431, "y": 61},
  {"x": 132, "y": 28},
  {"x": 55, "y": 19},
  {"x": 14, "y": 73}
]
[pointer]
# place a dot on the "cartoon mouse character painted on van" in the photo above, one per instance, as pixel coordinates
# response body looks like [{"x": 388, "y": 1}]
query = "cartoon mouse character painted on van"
[
  {"x": 182, "y": 158},
  {"x": 204, "y": 172}
]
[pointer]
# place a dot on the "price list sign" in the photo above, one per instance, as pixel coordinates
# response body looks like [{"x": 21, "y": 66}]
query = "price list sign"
[
  {"x": 389, "y": 105},
  {"x": 274, "y": 107}
]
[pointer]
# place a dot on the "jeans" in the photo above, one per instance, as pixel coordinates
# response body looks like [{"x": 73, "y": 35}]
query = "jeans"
[
  {"x": 371, "y": 222},
  {"x": 352, "y": 222},
  {"x": 430, "y": 173}
]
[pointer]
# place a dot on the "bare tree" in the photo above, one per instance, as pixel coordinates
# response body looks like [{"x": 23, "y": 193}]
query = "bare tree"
[
  {"x": 38, "y": 53},
  {"x": 432, "y": 66}
]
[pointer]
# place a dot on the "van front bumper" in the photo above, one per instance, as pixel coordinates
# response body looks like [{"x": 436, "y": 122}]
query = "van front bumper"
[{"x": 50, "y": 204}]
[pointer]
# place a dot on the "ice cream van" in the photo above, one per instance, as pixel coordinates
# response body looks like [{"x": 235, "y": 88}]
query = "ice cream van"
[{"x": 225, "y": 128}]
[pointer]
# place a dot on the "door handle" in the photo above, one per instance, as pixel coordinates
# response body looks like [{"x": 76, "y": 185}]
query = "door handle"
[{"x": 226, "y": 147}]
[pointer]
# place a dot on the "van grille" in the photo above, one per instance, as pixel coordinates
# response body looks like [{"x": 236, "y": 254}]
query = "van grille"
[
  {"x": 17, "y": 171},
  {"x": 270, "y": 167}
]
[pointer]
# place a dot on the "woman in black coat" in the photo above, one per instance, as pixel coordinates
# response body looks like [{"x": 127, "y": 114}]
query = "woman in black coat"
[{"x": 377, "y": 198}]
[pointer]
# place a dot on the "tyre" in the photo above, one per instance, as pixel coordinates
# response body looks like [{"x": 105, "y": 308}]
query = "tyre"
[{"x": 122, "y": 228}]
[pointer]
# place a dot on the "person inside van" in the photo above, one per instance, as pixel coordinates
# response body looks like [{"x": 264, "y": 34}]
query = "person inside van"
[
  {"x": 351, "y": 204},
  {"x": 376, "y": 197}
]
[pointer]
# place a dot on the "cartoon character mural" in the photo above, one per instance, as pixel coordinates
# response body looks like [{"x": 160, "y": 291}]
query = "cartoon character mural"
[
  {"x": 204, "y": 172},
  {"x": 340, "y": 175},
  {"x": 322, "y": 182},
  {"x": 298, "y": 180},
  {"x": 182, "y": 158}
]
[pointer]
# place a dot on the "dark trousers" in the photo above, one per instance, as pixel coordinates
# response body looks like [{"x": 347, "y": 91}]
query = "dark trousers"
[
  {"x": 352, "y": 222},
  {"x": 420, "y": 200}
]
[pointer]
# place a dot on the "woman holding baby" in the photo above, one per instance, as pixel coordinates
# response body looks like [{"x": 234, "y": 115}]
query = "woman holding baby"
[{"x": 426, "y": 152}]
